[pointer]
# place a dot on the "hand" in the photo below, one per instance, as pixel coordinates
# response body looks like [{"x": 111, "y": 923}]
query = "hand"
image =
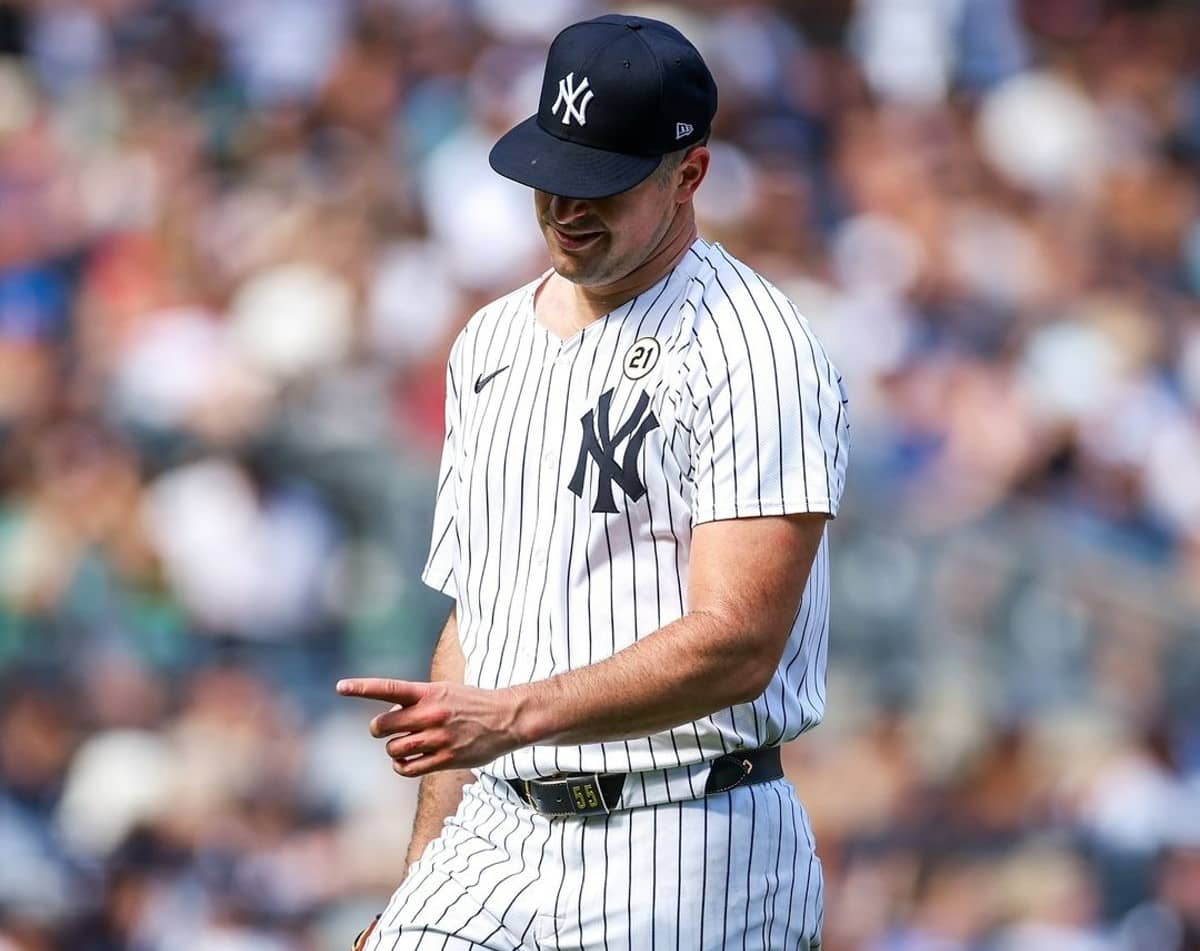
[{"x": 440, "y": 725}]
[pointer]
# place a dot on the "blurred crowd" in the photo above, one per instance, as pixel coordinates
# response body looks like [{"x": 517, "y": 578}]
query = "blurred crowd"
[{"x": 236, "y": 240}]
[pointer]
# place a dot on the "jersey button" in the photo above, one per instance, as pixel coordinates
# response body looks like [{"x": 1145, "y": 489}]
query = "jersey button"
[
  {"x": 548, "y": 460},
  {"x": 539, "y": 557}
]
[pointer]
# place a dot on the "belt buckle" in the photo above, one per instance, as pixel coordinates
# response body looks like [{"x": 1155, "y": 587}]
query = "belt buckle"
[{"x": 585, "y": 795}]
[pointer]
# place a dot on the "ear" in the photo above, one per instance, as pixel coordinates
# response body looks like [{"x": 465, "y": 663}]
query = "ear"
[{"x": 691, "y": 172}]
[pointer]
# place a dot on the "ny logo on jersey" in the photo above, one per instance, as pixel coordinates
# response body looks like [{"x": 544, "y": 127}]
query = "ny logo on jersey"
[
  {"x": 568, "y": 92},
  {"x": 601, "y": 443}
]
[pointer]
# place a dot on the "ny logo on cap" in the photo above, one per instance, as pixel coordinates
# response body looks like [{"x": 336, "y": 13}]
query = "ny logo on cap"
[{"x": 568, "y": 92}]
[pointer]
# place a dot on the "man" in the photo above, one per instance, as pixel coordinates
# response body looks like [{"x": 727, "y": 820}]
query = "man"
[{"x": 642, "y": 448}]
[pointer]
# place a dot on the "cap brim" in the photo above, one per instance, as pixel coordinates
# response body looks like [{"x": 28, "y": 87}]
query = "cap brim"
[{"x": 530, "y": 155}]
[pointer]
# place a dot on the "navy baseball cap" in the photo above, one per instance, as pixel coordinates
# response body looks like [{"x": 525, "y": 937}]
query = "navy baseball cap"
[{"x": 618, "y": 94}]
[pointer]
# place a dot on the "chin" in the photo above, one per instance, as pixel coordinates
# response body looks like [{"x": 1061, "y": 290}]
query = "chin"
[
  {"x": 573, "y": 269},
  {"x": 588, "y": 266}
]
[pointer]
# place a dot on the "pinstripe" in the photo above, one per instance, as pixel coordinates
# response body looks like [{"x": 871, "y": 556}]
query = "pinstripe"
[
  {"x": 604, "y": 879},
  {"x": 728, "y": 869},
  {"x": 540, "y": 494},
  {"x": 679, "y": 882},
  {"x": 750, "y": 861},
  {"x": 823, "y": 645},
  {"x": 817, "y": 374},
  {"x": 582, "y": 872},
  {"x": 516, "y": 550},
  {"x": 612, "y": 625},
  {"x": 733, "y": 416},
  {"x": 805, "y": 608},
  {"x": 538, "y": 877},
  {"x": 629, "y": 930},
  {"x": 774, "y": 870},
  {"x": 712, "y": 441},
  {"x": 705, "y": 903},
  {"x": 772, "y": 873},
  {"x": 654, "y": 874},
  {"x": 808, "y": 876},
  {"x": 787, "y": 928},
  {"x": 562, "y": 852},
  {"x": 820, "y": 928}
]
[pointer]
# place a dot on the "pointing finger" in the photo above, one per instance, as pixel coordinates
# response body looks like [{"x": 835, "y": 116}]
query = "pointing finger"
[{"x": 382, "y": 688}]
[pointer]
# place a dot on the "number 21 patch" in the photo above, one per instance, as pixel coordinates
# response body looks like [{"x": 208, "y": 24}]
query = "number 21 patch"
[{"x": 642, "y": 357}]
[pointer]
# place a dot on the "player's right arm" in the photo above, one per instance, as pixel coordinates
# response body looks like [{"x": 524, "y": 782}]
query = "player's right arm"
[{"x": 440, "y": 793}]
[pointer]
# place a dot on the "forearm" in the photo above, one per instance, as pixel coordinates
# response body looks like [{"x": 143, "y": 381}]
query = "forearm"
[
  {"x": 685, "y": 670},
  {"x": 440, "y": 793},
  {"x": 745, "y": 584}
]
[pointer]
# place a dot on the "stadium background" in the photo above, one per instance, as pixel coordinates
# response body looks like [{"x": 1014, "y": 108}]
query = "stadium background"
[{"x": 236, "y": 239}]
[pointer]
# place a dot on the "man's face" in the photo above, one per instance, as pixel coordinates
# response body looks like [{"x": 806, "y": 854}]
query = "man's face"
[{"x": 596, "y": 241}]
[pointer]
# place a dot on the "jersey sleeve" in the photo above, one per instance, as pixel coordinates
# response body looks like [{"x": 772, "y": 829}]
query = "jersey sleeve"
[
  {"x": 770, "y": 434},
  {"x": 443, "y": 548}
]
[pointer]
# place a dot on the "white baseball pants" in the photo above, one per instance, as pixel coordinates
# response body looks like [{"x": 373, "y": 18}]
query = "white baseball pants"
[{"x": 735, "y": 870}]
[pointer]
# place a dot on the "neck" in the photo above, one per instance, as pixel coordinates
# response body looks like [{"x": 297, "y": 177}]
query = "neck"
[{"x": 599, "y": 299}]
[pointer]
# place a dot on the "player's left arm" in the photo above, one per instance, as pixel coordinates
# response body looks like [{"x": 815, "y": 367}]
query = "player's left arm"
[{"x": 745, "y": 582}]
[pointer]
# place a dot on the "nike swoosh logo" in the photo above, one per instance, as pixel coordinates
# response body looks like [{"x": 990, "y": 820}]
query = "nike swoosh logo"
[{"x": 482, "y": 381}]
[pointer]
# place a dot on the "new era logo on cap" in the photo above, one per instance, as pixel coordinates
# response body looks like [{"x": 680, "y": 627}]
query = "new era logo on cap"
[{"x": 683, "y": 130}]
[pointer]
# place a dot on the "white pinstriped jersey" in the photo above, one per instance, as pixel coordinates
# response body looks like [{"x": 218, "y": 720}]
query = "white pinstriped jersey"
[{"x": 574, "y": 471}]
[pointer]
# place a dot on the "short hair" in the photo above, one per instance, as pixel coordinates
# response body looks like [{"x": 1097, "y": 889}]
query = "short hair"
[{"x": 672, "y": 161}]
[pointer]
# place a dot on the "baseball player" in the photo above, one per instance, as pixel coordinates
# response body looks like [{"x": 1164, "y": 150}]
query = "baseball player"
[{"x": 642, "y": 448}]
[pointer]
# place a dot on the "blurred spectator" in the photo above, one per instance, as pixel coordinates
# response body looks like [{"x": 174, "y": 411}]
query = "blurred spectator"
[
  {"x": 1051, "y": 902},
  {"x": 1171, "y": 919}
]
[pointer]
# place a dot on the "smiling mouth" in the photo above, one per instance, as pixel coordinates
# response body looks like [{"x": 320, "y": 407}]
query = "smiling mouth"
[{"x": 574, "y": 242}]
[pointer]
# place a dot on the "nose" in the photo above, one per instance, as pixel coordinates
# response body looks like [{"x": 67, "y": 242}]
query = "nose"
[{"x": 564, "y": 211}]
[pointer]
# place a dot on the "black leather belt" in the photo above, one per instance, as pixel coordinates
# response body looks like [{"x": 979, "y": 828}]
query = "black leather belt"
[{"x": 592, "y": 794}]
